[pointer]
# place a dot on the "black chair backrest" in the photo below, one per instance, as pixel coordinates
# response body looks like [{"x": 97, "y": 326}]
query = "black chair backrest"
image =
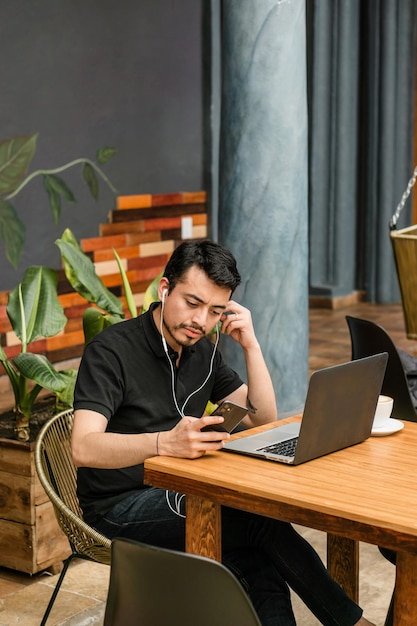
[
  {"x": 159, "y": 587},
  {"x": 368, "y": 338}
]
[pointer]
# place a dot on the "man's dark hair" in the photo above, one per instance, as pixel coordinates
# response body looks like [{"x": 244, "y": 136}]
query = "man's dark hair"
[{"x": 216, "y": 261}]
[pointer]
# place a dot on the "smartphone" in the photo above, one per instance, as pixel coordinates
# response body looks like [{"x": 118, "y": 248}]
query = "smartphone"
[{"x": 232, "y": 413}]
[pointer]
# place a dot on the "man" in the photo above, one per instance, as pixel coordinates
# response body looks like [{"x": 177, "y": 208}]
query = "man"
[{"x": 142, "y": 389}]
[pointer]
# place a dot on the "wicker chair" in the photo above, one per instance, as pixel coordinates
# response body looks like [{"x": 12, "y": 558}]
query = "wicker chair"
[{"x": 58, "y": 477}]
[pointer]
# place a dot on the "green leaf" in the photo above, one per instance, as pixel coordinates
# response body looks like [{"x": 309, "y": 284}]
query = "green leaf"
[
  {"x": 90, "y": 178},
  {"x": 94, "y": 321},
  {"x": 61, "y": 187},
  {"x": 10, "y": 371},
  {"x": 54, "y": 198},
  {"x": 39, "y": 312},
  {"x": 36, "y": 367},
  {"x": 105, "y": 154},
  {"x": 151, "y": 293},
  {"x": 15, "y": 157},
  {"x": 126, "y": 285},
  {"x": 12, "y": 232},
  {"x": 81, "y": 273}
]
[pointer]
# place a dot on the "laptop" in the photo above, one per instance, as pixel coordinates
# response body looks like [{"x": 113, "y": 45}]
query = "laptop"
[{"x": 338, "y": 413}]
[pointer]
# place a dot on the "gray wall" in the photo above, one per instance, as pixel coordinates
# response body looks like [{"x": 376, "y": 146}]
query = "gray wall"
[{"x": 97, "y": 72}]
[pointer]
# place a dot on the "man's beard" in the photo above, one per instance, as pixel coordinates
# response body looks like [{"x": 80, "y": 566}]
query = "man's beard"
[{"x": 188, "y": 341}]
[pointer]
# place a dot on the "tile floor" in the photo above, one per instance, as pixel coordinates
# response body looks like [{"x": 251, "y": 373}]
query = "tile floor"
[{"x": 81, "y": 600}]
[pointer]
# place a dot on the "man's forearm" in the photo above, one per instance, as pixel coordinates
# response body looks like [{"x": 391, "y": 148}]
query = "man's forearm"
[{"x": 261, "y": 396}]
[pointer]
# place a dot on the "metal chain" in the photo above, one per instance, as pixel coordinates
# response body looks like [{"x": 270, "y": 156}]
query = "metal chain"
[{"x": 404, "y": 197}]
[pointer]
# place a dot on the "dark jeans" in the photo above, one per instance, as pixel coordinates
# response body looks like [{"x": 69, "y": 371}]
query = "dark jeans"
[{"x": 268, "y": 556}]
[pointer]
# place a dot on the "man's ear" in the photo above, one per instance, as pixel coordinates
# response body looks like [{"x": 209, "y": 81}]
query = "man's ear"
[{"x": 163, "y": 288}]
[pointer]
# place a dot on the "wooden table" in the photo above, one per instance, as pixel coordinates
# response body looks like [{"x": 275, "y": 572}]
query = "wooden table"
[{"x": 365, "y": 493}]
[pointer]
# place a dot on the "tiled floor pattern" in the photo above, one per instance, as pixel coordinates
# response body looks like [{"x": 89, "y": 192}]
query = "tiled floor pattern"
[{"x": 81, "y": 600}]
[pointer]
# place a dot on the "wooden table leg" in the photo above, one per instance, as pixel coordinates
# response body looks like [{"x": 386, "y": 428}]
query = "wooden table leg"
[
  {"x": 405, "y": 602},
  {"x": 343, "y": 563},
  {"x": 203, "y": 528}
]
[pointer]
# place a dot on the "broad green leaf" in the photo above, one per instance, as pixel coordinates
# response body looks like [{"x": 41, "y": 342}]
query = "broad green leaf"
[
  {"x": 61, "y": 187},
  {"x": 151, "y": 293},
  {"x": 54, "y": 198},
  {"x": 15, "y": 157},
  {"x": 105, "y": 154},
  {"x": 11, "y": 372},
  {"x": 126, "y": 285},
  {"x": 66, "y": 394},
  {"x": 12, "y": 232},
  {"x": 81, "y": 273},
  {"x": 36, "y": 367},
  {"x": 94, "y": 321},
  {"x": 90, "y": 178},
  {"x": 42, "y": 312}
]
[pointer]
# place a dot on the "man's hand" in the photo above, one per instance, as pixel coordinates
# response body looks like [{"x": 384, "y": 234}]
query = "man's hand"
[
  {"x": 186, "y": 440},
  {"x": 237, "y": 323}
]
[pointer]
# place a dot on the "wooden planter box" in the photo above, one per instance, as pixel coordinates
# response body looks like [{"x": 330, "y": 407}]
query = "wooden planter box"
[{"x": 30, "y": 537}]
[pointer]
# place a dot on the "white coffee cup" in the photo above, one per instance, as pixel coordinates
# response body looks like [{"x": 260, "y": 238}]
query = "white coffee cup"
[{"x": 383, "y": 411}]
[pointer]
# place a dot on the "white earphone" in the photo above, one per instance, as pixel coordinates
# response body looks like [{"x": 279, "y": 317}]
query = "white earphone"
[
  {"x": 181, "y": 410},
  {"x": 165, "y": 346}
]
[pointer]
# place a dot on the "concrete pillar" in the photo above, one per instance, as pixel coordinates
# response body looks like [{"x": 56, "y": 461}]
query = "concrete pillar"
[{"x": 263, "y": 181}]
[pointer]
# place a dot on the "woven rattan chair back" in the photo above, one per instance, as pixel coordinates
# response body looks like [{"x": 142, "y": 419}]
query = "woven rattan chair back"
[{"x": 58, "y": 476}]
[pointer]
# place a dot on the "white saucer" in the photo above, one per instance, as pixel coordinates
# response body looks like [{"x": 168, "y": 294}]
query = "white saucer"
[{"x": 387, "y": 428}]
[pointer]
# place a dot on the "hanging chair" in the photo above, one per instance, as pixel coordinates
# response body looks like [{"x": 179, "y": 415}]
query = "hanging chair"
[{"x": 404, "y": 243}]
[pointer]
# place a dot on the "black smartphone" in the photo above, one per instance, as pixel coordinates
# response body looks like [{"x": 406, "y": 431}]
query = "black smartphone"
[{"x": 233, "y": 414}]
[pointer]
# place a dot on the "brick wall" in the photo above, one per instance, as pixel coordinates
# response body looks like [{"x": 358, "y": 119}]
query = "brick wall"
[{"x": 144, "y": 229}]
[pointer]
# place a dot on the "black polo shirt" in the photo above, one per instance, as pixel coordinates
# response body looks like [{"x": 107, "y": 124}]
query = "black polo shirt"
[{"x": 125, "y": 375}]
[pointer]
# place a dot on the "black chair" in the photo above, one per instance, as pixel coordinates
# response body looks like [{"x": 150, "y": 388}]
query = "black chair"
[
  {"x": 160, "y": 587},
  {"x": 368, "y": 338}
]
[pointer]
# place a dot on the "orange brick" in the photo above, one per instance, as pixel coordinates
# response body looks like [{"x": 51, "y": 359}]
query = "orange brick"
[
  {"x": 100, "y": 243},
  {"x": 108, "y": 255},
  {"x": 141, "y": 285},
  {"x": 76, "y": 312},
  {"x": 68, "y": 300},
  {"x": 5, "y": 325},
  {"x": 162, "y": 223},
  {"x": 37, "y": 347},
  {"x": 115, "y": 228},
  {"x": 166, "y": 199},
  {"x": 136, "y": 238},
  {"x": 74, "y": 324},
  {"x": 114, "y": 280},
  {"x": 142, "y": 262},
  {"x": 63, "y": 340},
  {"x": 134, "y": 202},
  {"x": 191, "y": 197},
  {"x": 146, "y": 274},
  {"x": 198, "y": 220}
]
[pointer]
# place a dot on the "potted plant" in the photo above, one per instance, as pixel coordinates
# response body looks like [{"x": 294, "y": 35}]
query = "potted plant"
[
  {"x": 30, "y": 538},
  {"x": 34, "y": 311},
  {"x": 26, "y": 515}
]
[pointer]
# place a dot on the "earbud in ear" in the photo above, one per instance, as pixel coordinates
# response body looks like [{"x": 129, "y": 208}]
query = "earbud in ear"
[{"x": 164, "y": 293}]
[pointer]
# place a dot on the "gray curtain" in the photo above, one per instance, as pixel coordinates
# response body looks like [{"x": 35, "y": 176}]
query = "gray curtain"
[{"x": 361, "y": 66}]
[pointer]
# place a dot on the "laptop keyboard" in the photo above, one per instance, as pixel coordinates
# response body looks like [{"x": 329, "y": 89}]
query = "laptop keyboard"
[{"x": 283, "y": 448}]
